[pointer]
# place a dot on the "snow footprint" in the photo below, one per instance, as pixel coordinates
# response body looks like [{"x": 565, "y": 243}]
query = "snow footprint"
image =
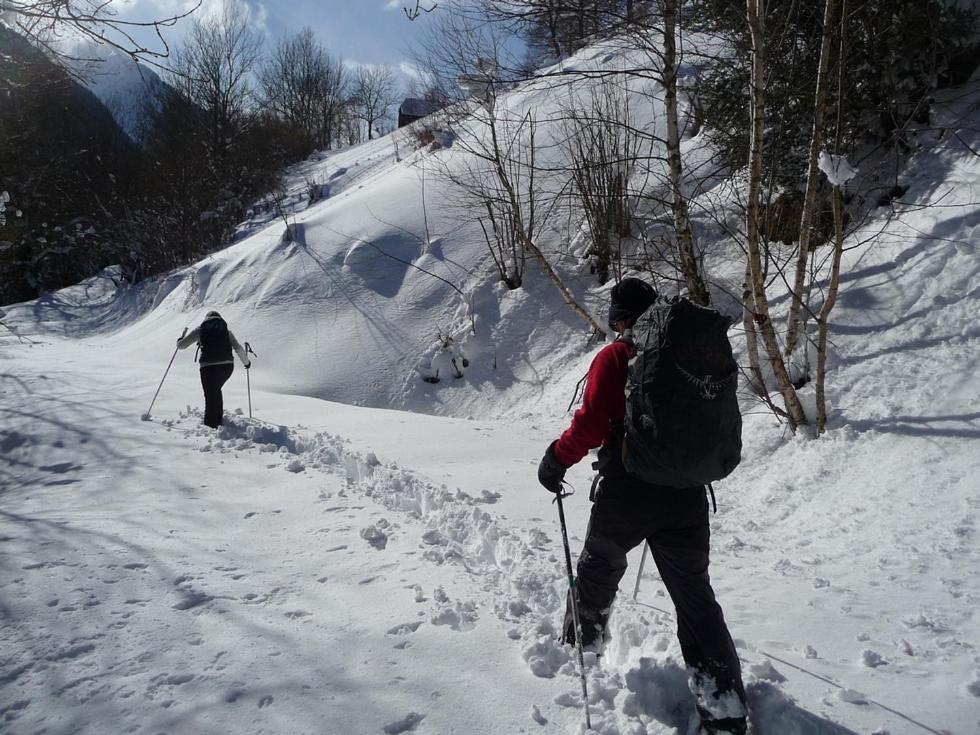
[
  {"x": 404, "y": 628},
  {"x": 405, "y": 724},
  {"x": 546, "y": 657},
  {"x": 375, "y": 536},
  {"x": 461, "y": 616}
]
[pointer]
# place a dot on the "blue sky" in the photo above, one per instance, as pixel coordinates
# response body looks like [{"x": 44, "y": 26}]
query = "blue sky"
[
  {"x": 360, "y": 31},
  {"x": 366, "y": 31}
]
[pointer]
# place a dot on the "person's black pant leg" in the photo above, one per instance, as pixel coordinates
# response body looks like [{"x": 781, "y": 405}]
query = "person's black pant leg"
[
  {"x": 614, "y": 530},
  {"x": 681, "y": 556},
  {"x": 213, "y": 377}
]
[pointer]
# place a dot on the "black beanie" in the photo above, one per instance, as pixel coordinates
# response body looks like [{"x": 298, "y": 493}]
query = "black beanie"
[{"x": 630, "y": 298}]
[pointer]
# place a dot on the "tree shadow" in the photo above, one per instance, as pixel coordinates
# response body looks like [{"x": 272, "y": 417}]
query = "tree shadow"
[
  {"x": 918, "y": 344},
  {"x": 386, "y": 336},
  {"x": 37, "y": 425},
  {"x": 923, "y": 425},
  {"x": 102, "y": 628},
  {"x": 382, "y": 263},
  {"x": 76, "y": 657},
  {"x": 100, "y": 304}
]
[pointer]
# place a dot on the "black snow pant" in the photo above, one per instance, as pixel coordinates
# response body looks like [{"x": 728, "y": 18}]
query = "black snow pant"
[
  {"x": 213, "y": 377},
  {"x": 675, "y": 524}
]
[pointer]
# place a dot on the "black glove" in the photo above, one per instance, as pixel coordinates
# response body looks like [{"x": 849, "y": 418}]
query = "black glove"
[
  {"x": 248, "y": 364},
  {"x": 551, "y": 471}
]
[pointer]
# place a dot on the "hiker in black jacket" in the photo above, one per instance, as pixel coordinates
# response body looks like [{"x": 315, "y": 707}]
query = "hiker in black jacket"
[{"x": 217, "y": 363}]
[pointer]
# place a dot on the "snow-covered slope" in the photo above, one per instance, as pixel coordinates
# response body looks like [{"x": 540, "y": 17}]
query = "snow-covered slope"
[
  {"x": 129, "y": 90},
  {"x": 334, "y": 568}
]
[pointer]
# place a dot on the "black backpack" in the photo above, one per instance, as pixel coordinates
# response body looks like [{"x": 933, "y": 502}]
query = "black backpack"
[
  {"x": 215, "y": 343},
  {"x": 683, "y": 426}
]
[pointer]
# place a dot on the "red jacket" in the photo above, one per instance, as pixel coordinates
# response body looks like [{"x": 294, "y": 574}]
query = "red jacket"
[{"x": 603, "y": 404}]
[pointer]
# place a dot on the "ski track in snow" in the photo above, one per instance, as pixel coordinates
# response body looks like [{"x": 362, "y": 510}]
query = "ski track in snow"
[
  {"x": 515, "y": 575},
  {"x": 520, "y": 581}
]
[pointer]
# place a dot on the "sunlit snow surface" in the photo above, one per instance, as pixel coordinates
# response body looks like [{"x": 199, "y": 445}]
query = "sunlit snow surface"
[{"x": 339, "y": 568}]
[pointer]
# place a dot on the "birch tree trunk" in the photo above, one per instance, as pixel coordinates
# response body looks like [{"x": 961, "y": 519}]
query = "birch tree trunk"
[
  {"x": 828, "y": 305},
  {"x": 690, "y": 268},
  {"x": 755, "y": 13},
  {"x": 756, "y": 381},
  {"x": 796, "y": 306},
  {"x": 823, "y": 324}
]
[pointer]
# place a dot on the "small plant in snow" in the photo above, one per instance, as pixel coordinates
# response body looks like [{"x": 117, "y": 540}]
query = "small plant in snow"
[
  {"x": 444, "y": 357},
  {"x": 314, "y": 189},
  {"x": 421, "y": 136}
]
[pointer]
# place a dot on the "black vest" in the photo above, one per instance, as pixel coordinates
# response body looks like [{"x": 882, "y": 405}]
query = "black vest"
[{"x": 215, "y": 342}]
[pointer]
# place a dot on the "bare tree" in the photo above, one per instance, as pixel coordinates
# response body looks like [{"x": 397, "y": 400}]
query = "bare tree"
[
  {"x": 690, "y": 265},
  {"x": 459, "y": 34},
  {"x": 511, "y": 219},
  {"x": 413, "y": 13},
  {"x": 830, "y": 300},
  {"x": 500, "y": 154},
  {"x": 303, "y": 84},
  {"x": 43, "y": 22},
  {"x": 213, "y": 69},
  {"x": 538, "y": 21},
  {"x": 812, "y": 181},
  {"x": 556, "y": 28},
  {"x": 502, "y": 182},
  {"x": 759, "y": 301},
  {"x": 208, "y": 159},
  {"x": 603, "y": 147},
  {"x": 373, "y": 95}
]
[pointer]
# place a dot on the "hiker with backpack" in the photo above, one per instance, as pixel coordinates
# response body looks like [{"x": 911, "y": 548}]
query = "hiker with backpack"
[
  {"x": 216, "y": 343},
  {"x": 660, "y": 403}
]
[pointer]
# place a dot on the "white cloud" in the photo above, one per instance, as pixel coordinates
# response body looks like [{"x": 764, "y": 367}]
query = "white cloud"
[
  {"x": 393, "y": 4},
  {"x": 256, "y": 12},
  {"x": 144, "y": 10},
  {"x": 410, "y": 70}
]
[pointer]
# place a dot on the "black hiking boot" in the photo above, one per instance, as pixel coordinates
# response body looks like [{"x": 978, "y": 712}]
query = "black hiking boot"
[
  {"x": 592, "y": 631},
  {"x": 724, "y": 726}
]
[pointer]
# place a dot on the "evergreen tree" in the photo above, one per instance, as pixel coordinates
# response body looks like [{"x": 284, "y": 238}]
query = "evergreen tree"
[{"x": 898, "y": 54}]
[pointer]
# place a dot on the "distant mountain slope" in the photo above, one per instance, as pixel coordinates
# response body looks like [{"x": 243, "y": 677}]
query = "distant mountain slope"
[
  {"x": 129, "y": 90},
  {"x": 63, "y": 161},
  {"x": 54, "y": 90}
]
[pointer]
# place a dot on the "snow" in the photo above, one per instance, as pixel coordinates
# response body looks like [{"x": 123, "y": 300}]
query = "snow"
[
  {"x": 837, "y": 169},
  {"x": 370, "y": 552},
  {"x": 128, "y": 89}
]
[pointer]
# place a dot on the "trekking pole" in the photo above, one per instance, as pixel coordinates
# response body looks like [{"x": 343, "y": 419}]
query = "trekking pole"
[
  {"x": 248, "y": 381},
  {"x": 636, "y": 589},
  {"x": 146, "y": 416},
  {"x": 574, "y": 601}
]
